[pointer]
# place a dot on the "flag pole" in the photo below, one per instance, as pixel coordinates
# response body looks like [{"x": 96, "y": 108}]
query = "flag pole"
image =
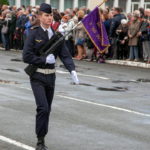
[
  {"x": 81, "y": 21},
  {"x": 97, "y": 6},
  {"x": 102, "y": 3}
]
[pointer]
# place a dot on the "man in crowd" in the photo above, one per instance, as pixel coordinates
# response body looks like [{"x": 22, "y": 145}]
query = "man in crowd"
[{"x": 116, "y": 21}]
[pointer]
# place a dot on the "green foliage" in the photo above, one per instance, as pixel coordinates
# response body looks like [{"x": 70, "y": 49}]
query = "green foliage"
[{"x": 2, "y": 2}]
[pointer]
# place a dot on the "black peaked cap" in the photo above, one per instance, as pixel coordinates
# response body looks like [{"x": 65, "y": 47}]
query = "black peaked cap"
[{"x": 45, "y": 8}]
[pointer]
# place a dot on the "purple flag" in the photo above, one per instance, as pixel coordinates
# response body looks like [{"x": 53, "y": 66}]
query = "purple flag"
[{"x": 96, "y": 30}]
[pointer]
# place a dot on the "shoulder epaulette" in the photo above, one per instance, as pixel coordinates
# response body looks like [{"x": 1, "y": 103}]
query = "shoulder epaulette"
[{"x": 34, "y": 27}]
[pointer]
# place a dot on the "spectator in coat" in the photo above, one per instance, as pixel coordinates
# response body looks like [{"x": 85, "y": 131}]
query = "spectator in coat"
[
  {"x": 56, "y": 21},
  {"x": 145, "y": 39},
  {"x": 80, "y": 36},
  {"x": 115, "y": 22},
  {"x": 134, "y": 28},
  {"x": 12, "y": 28},
  {"x": 122, "y": 40},
  {"x": 5, "y": 30}
]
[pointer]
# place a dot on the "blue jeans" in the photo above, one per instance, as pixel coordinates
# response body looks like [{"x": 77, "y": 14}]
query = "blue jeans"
[
  {"x": 134, "y": 54},
  {"x": 0, "y": 37},
  {"x": 5, "y": 40}
]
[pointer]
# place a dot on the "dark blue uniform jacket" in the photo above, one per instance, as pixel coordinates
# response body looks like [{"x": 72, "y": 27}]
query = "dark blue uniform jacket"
[{"x": 36, "y": 40}]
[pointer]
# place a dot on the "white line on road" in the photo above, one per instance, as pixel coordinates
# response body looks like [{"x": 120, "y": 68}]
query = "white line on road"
[
  {"x": 99, "y": 77},
  {"x": 85, "y": 75},
  {"x": 16, "y": 143},
  {"x": 99, "y": 104},
  {"x": 103, "y": 105}
]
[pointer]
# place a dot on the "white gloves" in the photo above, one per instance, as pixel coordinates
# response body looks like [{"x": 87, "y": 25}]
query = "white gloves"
[
  {"x": 50, "y": 59},
  {"x": 74, "y": 77}
]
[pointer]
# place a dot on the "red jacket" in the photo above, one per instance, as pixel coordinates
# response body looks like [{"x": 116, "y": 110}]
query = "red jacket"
[{"x": 55, "y": 25}]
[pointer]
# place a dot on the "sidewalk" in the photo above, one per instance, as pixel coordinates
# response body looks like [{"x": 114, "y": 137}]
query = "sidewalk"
[
  {"x": 117, "y": 62},
  {"x": 122, "y": 62},
  {"x": 128, "y": 63}
]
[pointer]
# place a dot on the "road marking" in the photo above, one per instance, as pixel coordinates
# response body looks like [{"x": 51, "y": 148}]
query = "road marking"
[
  {"x": 104, "y": 105},
  {"x": 99, "y": 104},
  {"x": 80, "y": 74},
  {"x": 99, "y": 77},
  {"x": 16, "y": 143}
]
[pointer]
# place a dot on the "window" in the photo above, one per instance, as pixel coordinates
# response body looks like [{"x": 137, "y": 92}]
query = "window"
[
  {"x": 122, "y": 4},
  {"x": 135, "y": 0},
  {"x": 109, "y": 3},
  {"x": 82, "y": 3},
  {"x": 147, "y": 5},
  {"x": 25, "y": 2},
  {"x": 55, "y": 4},
  {"x": 39, "y": 2},
  {"x": 12, "y": 2},
  {"x": 135, "y": 6},
  {"x": 68, "y": 4}
]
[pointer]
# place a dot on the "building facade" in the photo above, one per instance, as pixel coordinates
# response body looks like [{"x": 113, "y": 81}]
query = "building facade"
[
  {"x": 126, "y": 5},
  {"x": 129, "y": 5},
  {"x": 59, "y": 4}
]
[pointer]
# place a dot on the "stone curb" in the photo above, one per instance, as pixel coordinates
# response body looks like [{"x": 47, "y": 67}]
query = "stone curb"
[{"x": 128, "y": 63}]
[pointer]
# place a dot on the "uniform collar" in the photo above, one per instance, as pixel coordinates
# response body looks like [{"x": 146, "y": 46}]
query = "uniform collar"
[{"x": 49, "y": 29}]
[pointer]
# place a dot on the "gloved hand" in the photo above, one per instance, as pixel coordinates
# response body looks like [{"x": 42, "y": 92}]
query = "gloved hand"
[
  {"x": 74, "y": 77},
  {"x": 50, "y": 59}
]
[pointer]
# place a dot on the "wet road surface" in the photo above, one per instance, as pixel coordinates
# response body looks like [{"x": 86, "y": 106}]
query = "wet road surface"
[{"x": 109, "y": 110}]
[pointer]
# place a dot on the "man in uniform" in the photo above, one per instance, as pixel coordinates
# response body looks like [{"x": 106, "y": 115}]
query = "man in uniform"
[{"x": 43, "y": 80}]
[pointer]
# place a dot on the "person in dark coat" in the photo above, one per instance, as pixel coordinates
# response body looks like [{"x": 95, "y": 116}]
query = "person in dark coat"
[
  {"x": 20, "y": 27},
  {"x": 122, "y": 40},
  {"x": 5, "y": 21},
  {"x": 115, "y": 22},
  {"x": 133, "y": 32},
  {"x": 12, "y": 29},
  {"x": 43, "y": 80},
  {"x": 145, "y": 39}
]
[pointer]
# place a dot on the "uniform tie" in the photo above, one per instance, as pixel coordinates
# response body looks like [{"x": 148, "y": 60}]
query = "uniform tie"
[{"x": 46, "y": 32}]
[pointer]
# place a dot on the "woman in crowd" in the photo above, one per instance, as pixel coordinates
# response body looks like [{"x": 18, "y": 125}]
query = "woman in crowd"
[
  {"x": 134, "y": 28},
  {"x": 63, "y": 25},
  {"x": 5, "y": 30},
  {"x": 122, "y": 32},
  {"x": 56, "y": 20},
  {"x": 69, "y": 39},
  {"x": 80, "y": 36}
]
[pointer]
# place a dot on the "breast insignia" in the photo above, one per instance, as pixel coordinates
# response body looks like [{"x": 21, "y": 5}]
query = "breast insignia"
[{"x": 39, "y": 41}]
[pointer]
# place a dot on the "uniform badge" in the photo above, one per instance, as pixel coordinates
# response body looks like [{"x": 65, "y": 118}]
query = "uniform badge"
[{"x": 39, "y": 41}]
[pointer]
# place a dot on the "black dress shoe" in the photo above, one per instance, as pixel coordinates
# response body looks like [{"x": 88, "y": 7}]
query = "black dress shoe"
[
  {"x": 41, "y": 144},
  {"x": 41, "y": 147},
  {"x": 7, "y": 49}
]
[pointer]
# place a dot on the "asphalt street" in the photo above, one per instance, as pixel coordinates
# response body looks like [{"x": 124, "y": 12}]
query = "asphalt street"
[{"x": 109, "y": 110}]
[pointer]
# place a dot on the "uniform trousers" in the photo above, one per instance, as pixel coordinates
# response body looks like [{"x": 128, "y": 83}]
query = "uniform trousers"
[{"x": 43, "y": 89}]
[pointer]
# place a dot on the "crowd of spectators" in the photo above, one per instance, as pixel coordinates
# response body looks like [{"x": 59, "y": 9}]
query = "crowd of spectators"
[{"x": 129, "y": 34}]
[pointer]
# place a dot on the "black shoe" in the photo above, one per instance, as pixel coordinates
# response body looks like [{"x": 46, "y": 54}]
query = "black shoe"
[
  {"x": 7, "y": 49},
  {"x": 41, "y": 144},
  {"x": 41, "y": 147}
]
